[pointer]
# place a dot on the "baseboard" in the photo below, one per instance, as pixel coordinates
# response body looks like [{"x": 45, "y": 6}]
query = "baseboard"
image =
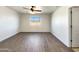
[
  {"x": 61, "y": 42},
  {"x": 9, "y": 37},
  {"x": 58, "y": 39},
  {"x": 20, "y": 32}
]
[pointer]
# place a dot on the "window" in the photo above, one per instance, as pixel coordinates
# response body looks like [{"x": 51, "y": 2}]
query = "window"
[{"x": 35, "y": 20}]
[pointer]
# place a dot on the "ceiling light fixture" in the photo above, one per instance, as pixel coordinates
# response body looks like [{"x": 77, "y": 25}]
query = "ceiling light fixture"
[{"x": 33, "y": 9}]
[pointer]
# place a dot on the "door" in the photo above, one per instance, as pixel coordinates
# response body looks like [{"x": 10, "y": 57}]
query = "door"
[{"x": 75, "y": 27}]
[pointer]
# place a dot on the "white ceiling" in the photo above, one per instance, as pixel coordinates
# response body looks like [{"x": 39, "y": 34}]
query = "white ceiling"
[{"x": 45, "y": 9}]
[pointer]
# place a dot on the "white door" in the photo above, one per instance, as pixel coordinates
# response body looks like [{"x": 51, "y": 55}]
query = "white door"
[{"x": 75, "y": 27}]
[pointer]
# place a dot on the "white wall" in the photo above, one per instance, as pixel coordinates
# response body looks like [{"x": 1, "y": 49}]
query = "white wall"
[
  {"x": 9, "y": 23},
  {"x": 43, "y": 27},
  {"x": 60, "y": 25}
]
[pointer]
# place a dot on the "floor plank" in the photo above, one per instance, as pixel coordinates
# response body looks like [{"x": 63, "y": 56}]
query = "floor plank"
[{"x": 33, "y": 42}]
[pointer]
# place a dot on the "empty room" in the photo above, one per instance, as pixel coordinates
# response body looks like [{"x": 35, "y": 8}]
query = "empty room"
[{"x": 39, "y": 29}]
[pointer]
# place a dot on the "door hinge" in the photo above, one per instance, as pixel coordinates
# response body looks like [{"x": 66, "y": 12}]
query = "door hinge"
[
  {"x": 71, "y": 26},
  {"x": 71, "y": 11},
  {"x": 71, "y": 40}
]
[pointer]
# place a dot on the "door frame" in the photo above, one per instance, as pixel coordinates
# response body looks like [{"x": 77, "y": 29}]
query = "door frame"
[{"x": 70, "y": 26}]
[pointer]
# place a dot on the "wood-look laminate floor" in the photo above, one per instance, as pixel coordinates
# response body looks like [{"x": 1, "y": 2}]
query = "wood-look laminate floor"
[
  {"x": 76, "y": 49},
  {"x": 33, "y": 42}
]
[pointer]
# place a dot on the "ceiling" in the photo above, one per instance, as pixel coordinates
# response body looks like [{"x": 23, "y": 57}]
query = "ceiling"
[{"x": 45, "y": 9}]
